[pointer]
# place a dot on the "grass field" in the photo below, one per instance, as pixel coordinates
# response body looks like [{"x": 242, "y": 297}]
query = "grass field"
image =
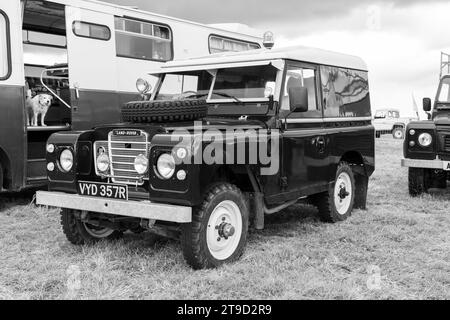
[{"x": 398, "y": 249}]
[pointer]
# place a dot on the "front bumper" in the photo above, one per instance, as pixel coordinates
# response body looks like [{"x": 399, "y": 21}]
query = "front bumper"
[
  {"x": 426, "y": 164},
  {"x": 133, "y": 209}
]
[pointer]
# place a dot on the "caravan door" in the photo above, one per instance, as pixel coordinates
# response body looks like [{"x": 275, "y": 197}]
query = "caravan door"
[
  {"x": 12, "y": 99},
  {"x": 92, "y": 68}
]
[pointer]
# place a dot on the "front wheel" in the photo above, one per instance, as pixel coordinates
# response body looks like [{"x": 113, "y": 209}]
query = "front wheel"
[
  {"x": 81, "y": 233},
  {"x": 418, "y": 181},
  {"x": 219, "y": 227},
  {"x": 337, "y": 203}
]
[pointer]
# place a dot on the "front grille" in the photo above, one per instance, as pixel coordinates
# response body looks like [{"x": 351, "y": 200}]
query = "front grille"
[
  {"x": 447, "y": 143},
  {"x": 122, "y": 152}
]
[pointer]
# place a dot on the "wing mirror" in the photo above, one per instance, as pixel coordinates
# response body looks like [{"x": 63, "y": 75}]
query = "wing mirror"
[
  {"x": 298, "y": 99},
  {"x": 427, "y": 104}
]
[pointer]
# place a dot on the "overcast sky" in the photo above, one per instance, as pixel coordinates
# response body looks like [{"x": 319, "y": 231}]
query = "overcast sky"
[{"x": 400, "y": 40}]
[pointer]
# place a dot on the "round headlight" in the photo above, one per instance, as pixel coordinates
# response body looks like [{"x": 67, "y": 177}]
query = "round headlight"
[
  {"x": 66, "y": 160},
  {"x": 166, "y": 166},
  {"x": 103, "y": 163},
  {"x": 141, "y": 164},
  {"x": 50, "y": 148},
  {"x": 142, "y": 86},
  {"x": 425, "y": 139}
]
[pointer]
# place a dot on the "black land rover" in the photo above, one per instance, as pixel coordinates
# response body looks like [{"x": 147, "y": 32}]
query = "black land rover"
[
  {"x": 222, "y": 141},
  {"x": 427, "y": 145}
]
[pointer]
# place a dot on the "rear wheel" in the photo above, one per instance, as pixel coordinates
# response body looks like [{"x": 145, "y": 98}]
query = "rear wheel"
[
  {"x": 337, "y": 203},
  {"x": 218, "y": 231},
  {"x": 398, "y": 133},
  {"x": 80, "y": 233},
  {"x": 418, "y": 181}
]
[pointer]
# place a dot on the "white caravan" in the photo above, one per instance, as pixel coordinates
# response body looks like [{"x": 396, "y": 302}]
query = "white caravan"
[{"x": 87, "y": 55}]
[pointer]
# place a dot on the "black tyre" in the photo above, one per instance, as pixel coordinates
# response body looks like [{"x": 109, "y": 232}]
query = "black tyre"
[
  {"x": 337, "y": 203},
  {"x": 80, "y": 233},
  {"x": 164, "y": 111},
  {"x": 398, "y": 133},
  {"x": 219, "y": 227},
  {"x": 418, "y": 181}
]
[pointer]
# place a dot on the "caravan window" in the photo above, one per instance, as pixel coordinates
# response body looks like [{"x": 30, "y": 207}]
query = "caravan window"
[
  {"x": 143, "y": 40},
  {"x": 45, "y": 39},
  {"x": 5, "y": 57},
  {"x": 221, "y": 44},
  {"x": 91, "y": 30}
]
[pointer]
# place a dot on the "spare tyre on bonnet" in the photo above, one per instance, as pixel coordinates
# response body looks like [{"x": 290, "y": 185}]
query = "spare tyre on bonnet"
[
  {"x": 243, "y": 136},
  {"x": 164, "y": 111}
]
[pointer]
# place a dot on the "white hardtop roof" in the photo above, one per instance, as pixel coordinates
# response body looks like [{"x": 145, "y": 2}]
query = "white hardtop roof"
[{"x": 264, "y": 56}]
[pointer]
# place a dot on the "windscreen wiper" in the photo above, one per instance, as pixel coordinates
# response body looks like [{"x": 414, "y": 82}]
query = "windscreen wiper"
[
  {"x": 226, "y": 95},
  {"x": 222, "y": 94}
]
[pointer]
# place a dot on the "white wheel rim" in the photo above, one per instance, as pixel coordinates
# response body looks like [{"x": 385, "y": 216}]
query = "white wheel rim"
[
  {"x": 343, "y": 191},
  {"x": 398, "y": 134},
  {"x": 226, "y": 213},
  {"x": 99, "y": 233}
]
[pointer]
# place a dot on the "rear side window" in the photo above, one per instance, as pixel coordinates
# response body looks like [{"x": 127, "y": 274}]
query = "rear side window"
[
  {"x": 5, "y": 55},
  {"x": 143, "y": 40},
  {"x": 91, "y": 30},
  {"x": 345, "y": 92}
]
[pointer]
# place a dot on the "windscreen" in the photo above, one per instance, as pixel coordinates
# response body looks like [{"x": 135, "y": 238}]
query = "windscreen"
[
  {"x": 244, "y": 83},
  {"x": 444, "y": 92},
  {"x": 183, "y": 86}
]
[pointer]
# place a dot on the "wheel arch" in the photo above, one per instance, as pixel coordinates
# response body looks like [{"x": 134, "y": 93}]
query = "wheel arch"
[
  {"x": 234, "y": 174},
  {"x": 361, "y": 174},
  {"x": 356, "y": 161}
]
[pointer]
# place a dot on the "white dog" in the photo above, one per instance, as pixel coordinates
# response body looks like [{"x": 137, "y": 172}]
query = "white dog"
[{"x": 36, "y": 106}]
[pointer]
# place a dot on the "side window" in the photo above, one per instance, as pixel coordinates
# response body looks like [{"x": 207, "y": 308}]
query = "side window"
[
  {"x": 143, "y": 40},
  {"x": 300, "y": 77},
  {"x": 91, "y": 30},
  {"x": 345, "y": 92},
  {"x": 5, "y": 55},
  {"x": 221, "y": 44}
]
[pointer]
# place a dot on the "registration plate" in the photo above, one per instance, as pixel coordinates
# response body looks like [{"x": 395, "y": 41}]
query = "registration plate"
[
  {"x": 103, "y": 190},
  {"x": 447, "y": 165}
]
